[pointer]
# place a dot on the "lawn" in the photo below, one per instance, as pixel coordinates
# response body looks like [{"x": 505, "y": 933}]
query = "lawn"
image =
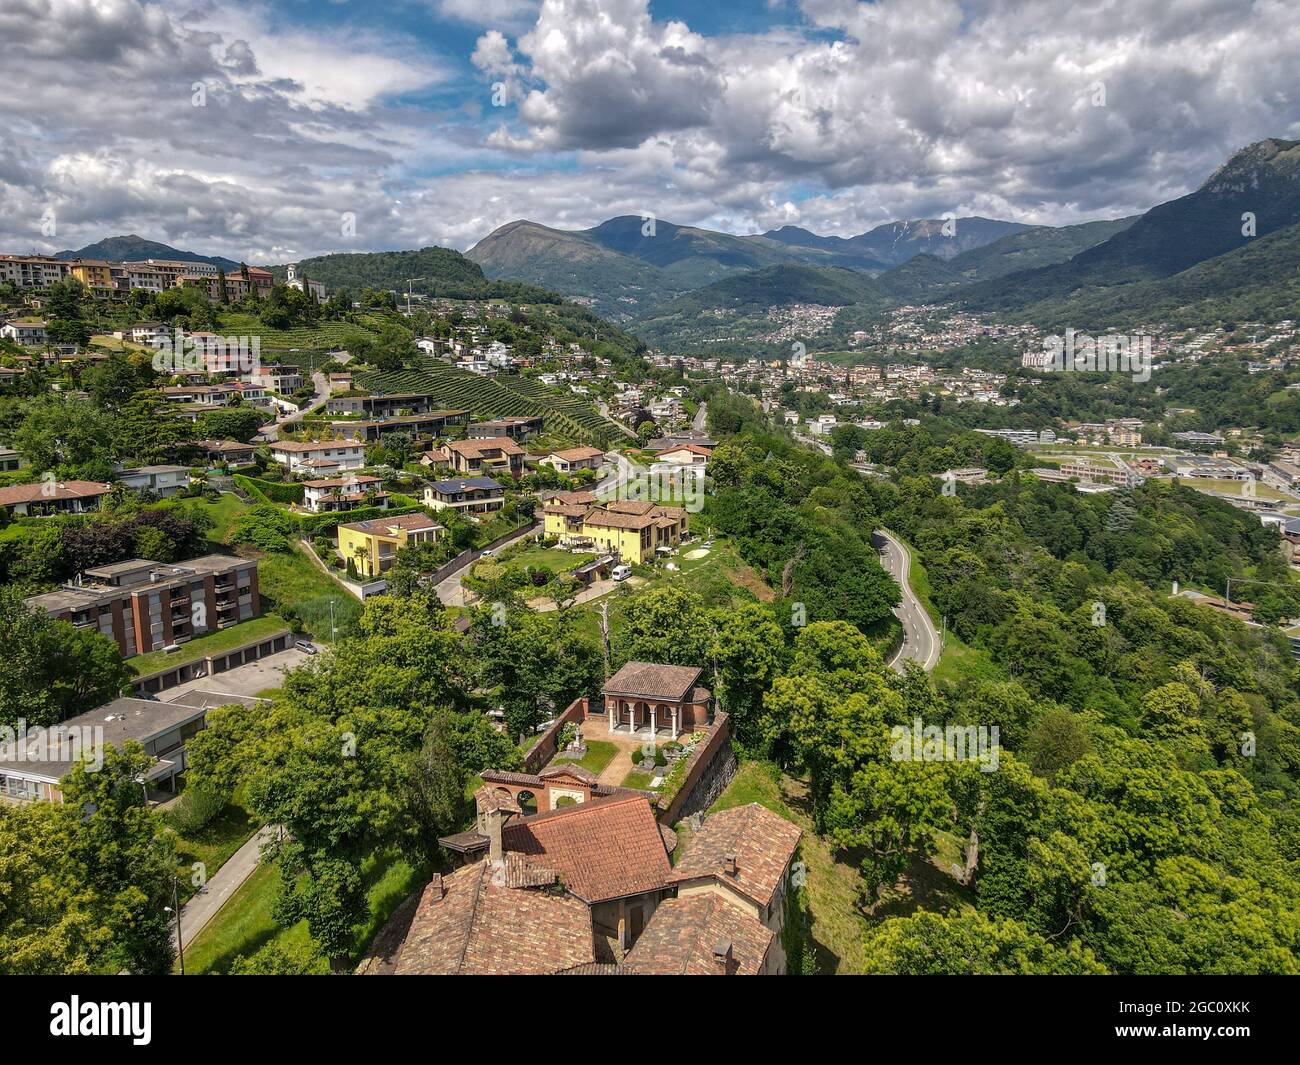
[
  {"x": 638, "y": 779},
  {"x": 289, "y": 580},
  {"x": 532, "y": 556},
  {"x": 223, "y": 512},
  {"x": 1236, "y": 488},
  {"x": 213, "y": 643},
  {"x": 292, "y": 580},
  {"x": 244, "y": 924},
  {"x": 721, "y": 578},
  {"x": 599, "y": 754},
  {"x": 213, "y": 845}
]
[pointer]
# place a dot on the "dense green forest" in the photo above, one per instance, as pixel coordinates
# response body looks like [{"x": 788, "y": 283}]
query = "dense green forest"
[{"x": 1143, "y": 817}]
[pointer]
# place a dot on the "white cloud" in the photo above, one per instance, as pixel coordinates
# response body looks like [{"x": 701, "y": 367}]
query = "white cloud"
[{"x": 857, "y": 114}]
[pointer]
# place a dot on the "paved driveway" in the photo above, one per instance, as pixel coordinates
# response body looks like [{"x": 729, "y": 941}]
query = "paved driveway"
[{"x": 248, "y": 679}]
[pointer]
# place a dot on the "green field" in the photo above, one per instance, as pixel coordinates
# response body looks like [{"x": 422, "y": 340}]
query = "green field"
[
  {"x": 565, "y": 414},
  {"x": 289, "y": 582},
  {"x": 212, "y": 845},
  {"x": 244, "y": 923},
  {"x": 599, "y": 754},
  {"x": 318, "y": 337},
  {"x": 1235, "y": 488}
]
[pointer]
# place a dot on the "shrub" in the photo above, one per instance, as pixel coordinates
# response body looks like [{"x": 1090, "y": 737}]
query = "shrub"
[{"x": 195, "y": 810}]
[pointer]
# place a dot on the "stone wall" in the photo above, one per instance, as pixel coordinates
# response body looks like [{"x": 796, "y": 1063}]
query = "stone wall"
[{"x": 709, "y": 770}]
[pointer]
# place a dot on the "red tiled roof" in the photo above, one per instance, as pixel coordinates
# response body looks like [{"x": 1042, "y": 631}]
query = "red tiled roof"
[
  {"x": 575, "y": 454},
  {"x": 479, "y": 447},
  {"x": 653, "y": 680},
  {"x": 473, "y": 922},
  {"x": 761, "y": 842},
  {"x": 684, "y": 933},
  {"x": 603, "y": 849},
  {"x": 34, "y": 493}
]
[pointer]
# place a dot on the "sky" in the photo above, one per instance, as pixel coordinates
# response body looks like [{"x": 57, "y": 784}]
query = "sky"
[{"x": 272, "y": 131}]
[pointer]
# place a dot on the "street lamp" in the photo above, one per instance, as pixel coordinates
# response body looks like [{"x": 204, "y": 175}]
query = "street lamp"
[{"x": 175, "y": 908}]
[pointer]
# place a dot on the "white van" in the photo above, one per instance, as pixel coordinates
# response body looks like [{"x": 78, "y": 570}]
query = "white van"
[{"x": 621, "y": 572}]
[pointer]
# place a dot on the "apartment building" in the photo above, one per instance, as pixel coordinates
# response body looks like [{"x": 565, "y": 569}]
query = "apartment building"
[
  {"x": 1089, "y": 473},
  {"x": 388, "y": 406},
  {"x": 32, "y": 271},
  {"x": 142, "y": 605},
  {"x": 95, "y": 274}
]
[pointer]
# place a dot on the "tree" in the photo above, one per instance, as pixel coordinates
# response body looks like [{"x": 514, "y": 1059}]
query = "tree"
[
  {"x": 437, "y": 783},
  {"x": 50, "y": 670},
  {"x": 929, "y": 944},
  {"x": 240, "y": 424},
  {"x": 124, "y": 853},
  {"x": 47, "y": 920},
  {"x": 1057, "y": 741},
  {"x": 666, "y": 625},
  {"x": 68, "y": 435},
  {"x": 747, "y": 653}
]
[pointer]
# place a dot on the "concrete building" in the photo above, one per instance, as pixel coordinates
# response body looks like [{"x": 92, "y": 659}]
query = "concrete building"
[{"x": 144, "y": 605}]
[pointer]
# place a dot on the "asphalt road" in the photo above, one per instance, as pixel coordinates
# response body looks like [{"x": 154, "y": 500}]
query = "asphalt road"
[{"x": 920, "y": 640}]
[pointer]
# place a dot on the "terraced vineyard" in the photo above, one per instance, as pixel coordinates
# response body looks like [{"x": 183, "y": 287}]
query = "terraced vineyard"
[
  {"x": 564, "y": 414},
  {"x": 320, "y": 337}
]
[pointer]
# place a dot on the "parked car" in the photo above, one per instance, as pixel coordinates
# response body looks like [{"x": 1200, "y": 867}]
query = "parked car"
[
  {"x": 621, "y": 572},
  {"x": 307, "y": 647}
]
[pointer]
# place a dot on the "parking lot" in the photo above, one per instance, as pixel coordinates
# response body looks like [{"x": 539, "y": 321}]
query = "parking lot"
[{"x": 247, "y": 679}]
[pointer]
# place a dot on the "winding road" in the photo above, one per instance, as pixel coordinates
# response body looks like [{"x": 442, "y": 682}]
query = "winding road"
[{"x": 921, "y": 642}]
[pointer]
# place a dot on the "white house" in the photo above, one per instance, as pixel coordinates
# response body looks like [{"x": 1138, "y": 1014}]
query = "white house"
[
  {"x": 343, "y": 493},
  {"x": 29, "y": 332},
  {"x": 319, "y": 457},
  {"x": 160, "y": 480}
]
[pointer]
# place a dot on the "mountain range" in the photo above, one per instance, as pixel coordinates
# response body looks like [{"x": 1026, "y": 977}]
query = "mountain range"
[
  {"x": 627, "y": 266},
  {"x": 1230, "y": 248}
]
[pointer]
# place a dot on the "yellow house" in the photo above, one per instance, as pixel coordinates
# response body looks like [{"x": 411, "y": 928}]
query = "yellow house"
[
  {"x": 95, "y": 274},
  {"x": 632, "y": 529},
  {"x": 372, "y": 545}
]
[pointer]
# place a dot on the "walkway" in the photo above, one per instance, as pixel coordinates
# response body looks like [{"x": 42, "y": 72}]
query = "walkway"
[{"x": 196, "y": 913}]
